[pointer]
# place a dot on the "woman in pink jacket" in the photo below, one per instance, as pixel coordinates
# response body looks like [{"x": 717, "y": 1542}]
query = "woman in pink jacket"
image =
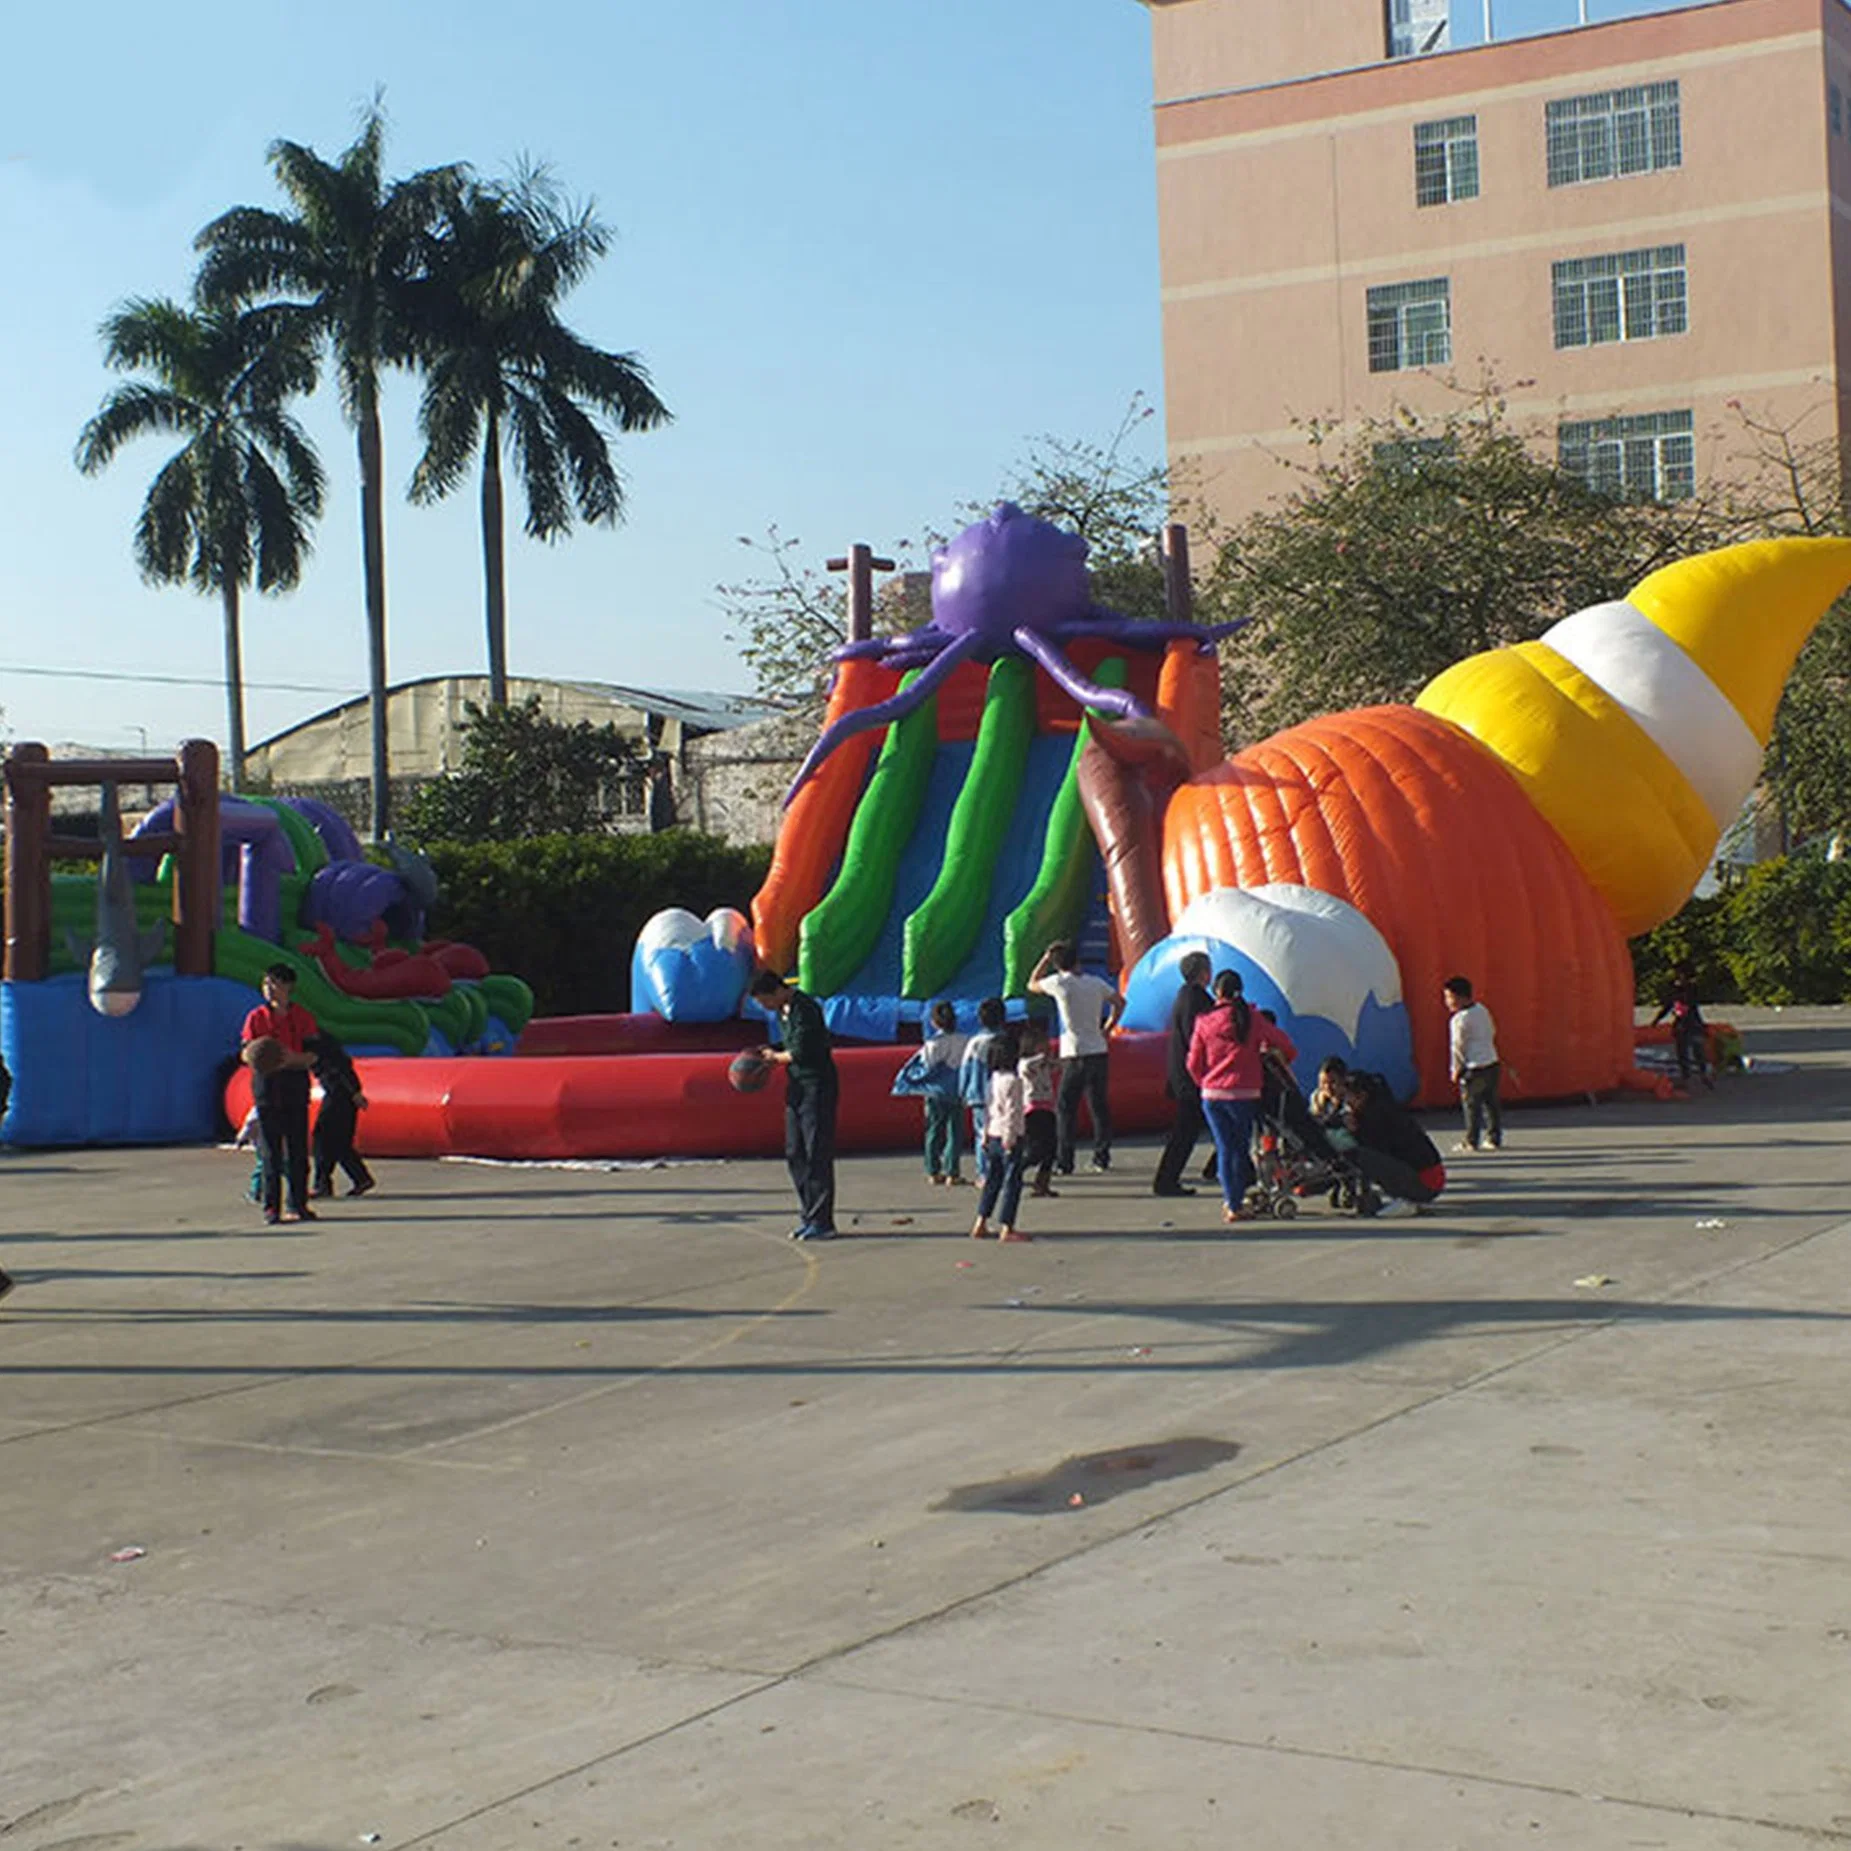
[{"x": 1226, "y": 1062}]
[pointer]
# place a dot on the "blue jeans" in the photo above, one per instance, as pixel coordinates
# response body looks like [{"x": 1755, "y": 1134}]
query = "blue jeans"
[
  {"x": 1230, "y": 1121},
  {"x": 1002, "y": 1180}
]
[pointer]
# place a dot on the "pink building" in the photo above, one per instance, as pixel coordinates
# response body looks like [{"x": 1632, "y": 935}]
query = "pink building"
[{"x": 1632, "y": 224}]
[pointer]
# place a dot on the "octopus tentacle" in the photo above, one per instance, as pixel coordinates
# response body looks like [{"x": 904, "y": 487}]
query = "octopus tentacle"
[
  {"x": 1119, "y": 702},
  {"x": 894, "y": 707},
  {"x": 927, "y": 639}
]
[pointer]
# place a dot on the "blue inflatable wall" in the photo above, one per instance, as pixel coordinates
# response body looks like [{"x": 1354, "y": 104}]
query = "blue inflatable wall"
[{"x": 143, "y": 1078}]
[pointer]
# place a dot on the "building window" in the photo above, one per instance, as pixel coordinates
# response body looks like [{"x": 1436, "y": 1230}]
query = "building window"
[
  {"x": 1614, "y": 133},
  {"x": 1650, "y": 458},
  {"x": 1408, "y": 456},
  {"x": 1445, "y": 161},
  {"x": 1629, "y": 296},
  {"x": 1835, "y": 108},
  {"x": 1417, "y": 27},
  {"x": 1410, "y": 324}
]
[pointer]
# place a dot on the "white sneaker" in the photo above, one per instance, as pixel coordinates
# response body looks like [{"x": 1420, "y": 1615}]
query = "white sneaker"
[
  {"x": 1396, "y": 1206},
  {"x": 1463, "y": 1149}
]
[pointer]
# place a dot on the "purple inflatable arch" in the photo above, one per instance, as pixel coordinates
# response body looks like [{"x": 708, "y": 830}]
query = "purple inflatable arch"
[{"x": 255, "y": 849}]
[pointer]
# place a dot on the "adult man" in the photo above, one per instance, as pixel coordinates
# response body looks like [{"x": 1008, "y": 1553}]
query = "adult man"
[
  {"x": 1089, "y": 1009},
  {"x": 1192, "y": 999},
  {"x": 282, "y": 1096},
  {"x": 1475, "y": 1066},
  {"x": 809, "y": 1101}
]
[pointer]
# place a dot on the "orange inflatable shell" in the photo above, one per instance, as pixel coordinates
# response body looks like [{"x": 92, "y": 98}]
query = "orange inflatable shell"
[
  {"x": 816, "y": 824},
  {"x": 1427, "y": 835}
]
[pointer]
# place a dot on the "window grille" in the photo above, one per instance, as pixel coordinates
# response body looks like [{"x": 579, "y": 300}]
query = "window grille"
[
  {"x": 1613, "y": 133},
  {"x": 1410, "y": 325},
  {"x": 1648, "y": 458},
  {"x": 1625, "y": 296},
  {"x": 1445, "y": 161}
]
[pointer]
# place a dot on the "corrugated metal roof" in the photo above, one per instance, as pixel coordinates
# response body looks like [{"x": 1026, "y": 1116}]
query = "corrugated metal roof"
[{"x": 702, "y": 709}]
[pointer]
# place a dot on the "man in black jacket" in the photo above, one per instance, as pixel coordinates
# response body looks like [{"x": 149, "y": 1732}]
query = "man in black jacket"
[
  {"x": 809, "y": 1101},
  {"x": 1191, "y": 1000},
  {"x": 1392, "y": 1151}
]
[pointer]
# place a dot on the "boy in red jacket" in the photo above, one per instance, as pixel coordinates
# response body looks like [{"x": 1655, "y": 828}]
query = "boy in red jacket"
[{"x": 282, "y": 1096}]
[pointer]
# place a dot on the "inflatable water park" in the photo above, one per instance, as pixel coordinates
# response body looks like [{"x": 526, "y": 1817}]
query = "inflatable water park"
[{"x": 1027, "y": 766}]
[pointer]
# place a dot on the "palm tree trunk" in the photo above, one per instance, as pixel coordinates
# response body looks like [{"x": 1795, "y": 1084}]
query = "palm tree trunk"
[
  {"x": 494, "y": 573},
  {"x": 373, "y": 559},
  {"x": 234, "y": 686}
]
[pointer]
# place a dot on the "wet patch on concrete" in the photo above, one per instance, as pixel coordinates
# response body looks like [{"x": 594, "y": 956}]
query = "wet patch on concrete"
[{"x": 1087, "y": 1479}]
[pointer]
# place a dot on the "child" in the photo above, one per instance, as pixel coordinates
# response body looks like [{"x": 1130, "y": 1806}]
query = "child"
[
  {"x": 1475, "y": 1066},
  {"x": 1036, "y": 1070},
  {"x": 251, "y": 1137},
  {"x": 1689, "y": 1032},
  {"x": 1330, "y": 1101},
  {"x": 1005, "y": 1150},
  {"x": 974, "y": 1072},
  {"x": 342, "y": 1102},
  {"x": 932, "y": 1073},
  {"x": 282, "y": 1096}
]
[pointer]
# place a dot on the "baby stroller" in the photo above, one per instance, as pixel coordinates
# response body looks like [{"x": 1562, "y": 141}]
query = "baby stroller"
[{"x": 1293, "y": 1159}]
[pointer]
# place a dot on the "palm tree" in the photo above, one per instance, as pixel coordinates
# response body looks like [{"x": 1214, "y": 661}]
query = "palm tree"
[
  {"x": 337, "y": 265},
  {"x": 238, "y": 499},
  {"x": 502, "y": 369}
]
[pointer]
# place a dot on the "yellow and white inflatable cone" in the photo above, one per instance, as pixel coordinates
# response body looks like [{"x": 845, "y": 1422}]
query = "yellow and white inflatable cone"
[{"x": 1638, "y": 728}]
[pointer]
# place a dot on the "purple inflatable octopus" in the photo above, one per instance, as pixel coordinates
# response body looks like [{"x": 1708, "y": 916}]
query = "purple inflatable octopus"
[{"x": 1009, "y": 585}]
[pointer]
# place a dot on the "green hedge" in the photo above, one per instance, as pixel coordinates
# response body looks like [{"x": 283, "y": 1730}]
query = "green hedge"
[
  {"x": 1778, "y": 933},
  {"x": 564, "y": 911}
]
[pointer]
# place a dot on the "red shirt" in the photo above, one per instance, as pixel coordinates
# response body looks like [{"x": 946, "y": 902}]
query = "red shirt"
[{"x": 291, "y": 1026}]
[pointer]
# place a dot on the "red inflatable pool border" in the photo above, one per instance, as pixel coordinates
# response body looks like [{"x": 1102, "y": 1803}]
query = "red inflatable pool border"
[{"x": 657, "y": 1105}]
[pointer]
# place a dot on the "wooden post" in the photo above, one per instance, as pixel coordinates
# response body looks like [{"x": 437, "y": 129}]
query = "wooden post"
[
  {"x": 196, "y": 866},
  {"x": 1178, "y": 592},
  {"x": 860, "y": 564},
  {"x": 28, "y": 865}
]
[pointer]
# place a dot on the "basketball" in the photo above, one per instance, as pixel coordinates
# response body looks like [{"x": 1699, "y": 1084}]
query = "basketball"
[
  {"x": 263, "y": 1055},
  {"x": 748, "y": 1071}
]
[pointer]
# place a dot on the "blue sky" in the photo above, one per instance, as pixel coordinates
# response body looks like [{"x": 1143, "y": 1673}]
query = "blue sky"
[{"x": 868, "y": 251}]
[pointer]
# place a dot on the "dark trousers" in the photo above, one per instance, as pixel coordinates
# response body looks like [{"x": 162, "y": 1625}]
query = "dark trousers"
[
  {"x": 1082, "y": 1073},
  {"x": 1478, "y": 1094},
  {"x": 942, "y": 1141},
  {"x": 1038, "y": 1137},
  {"x": 335, "y": 1125},
  {"x": 810, "y": 1146},
  {"x": 282, "y": 1119},
  {"x": 1002, "y": 1181},
  {"x": 1692, "y": 1041},
  {"x": 1390, "y": 1175},
  {"x": 1179, "y": 1147}
]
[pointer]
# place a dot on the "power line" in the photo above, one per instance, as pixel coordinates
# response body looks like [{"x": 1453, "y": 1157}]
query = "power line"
[{"x": 168, "y": 681}]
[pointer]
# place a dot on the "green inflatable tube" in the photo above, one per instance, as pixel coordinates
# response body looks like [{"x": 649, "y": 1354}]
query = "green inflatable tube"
[
  {"x": 310, "y": 851},
  {"x": 845, "y": 925},
  {"x": 509, "y": 1000},
  {"x": 1055, "y": 906},
  {"x": 941, "y": 933},
  {"x": 398, "y": 1024}
]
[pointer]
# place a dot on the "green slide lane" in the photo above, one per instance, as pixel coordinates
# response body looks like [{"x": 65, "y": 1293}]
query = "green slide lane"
[
  {"x": 941, "y": 933},
  {"x": 841, "y": 929},
  {"x": 398, "y": 1024},
  {"x": 310, "y": 851},
  {"x": 509, "y": 999},
  {"x": 1056, "y": 904}
]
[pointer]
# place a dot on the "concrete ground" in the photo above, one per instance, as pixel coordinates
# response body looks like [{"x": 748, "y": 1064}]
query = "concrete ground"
[{"x": 557, "y": 1508}]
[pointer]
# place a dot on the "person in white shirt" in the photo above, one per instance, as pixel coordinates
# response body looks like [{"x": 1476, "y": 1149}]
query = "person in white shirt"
[
  {"x": 1089, "y": 1009},
  {"x": 1475, "y": 1066},
  {"x": 1005, "y": 1147}
]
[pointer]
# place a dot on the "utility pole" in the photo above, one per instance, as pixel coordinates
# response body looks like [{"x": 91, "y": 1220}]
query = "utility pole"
[
  {"x": 1490, "y": 30},
  {"x": 860, "y": 564}
]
